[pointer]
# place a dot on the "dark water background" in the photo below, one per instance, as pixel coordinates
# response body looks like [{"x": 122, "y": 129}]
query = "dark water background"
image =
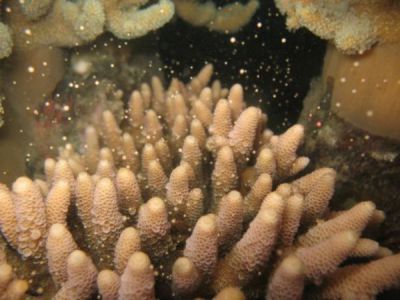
[{"x": 278, "y": 64}]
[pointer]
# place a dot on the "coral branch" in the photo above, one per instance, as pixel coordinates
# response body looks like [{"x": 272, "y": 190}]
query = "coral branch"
[{"x": 154, "y": 188}]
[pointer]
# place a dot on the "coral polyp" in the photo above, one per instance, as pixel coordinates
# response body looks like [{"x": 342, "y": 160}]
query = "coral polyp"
[{"x": 191, "y": 195}]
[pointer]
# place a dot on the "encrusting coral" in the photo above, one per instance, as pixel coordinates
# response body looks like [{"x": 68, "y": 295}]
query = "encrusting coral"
[{"x": 187, "y": 198}]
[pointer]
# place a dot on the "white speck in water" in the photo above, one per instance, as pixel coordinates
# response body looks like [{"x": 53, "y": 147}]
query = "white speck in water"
[
  {"x": 27, "y": 31},
  {"x": 81, "y": 67}
]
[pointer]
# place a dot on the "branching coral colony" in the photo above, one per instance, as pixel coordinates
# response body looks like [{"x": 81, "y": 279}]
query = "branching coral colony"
[{"x": 188, "y": 199}]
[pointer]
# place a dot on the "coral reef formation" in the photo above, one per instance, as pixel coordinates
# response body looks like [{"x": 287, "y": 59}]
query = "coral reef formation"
[
  {"x": 28, "y": 81},
  {"x": 227, "y": 19},
  {"x": 367, "y": 99},
  {"x": 62, "y": 91},
  {"x": 72, "y": 23},
  {"x": 354, "y": 26},
  {"x": 64, "y": 23},
  {"x": 366, "y": 85},
  {"x": 367, "y": 164},
  {"x": 352, "y": 109},
  {"x": 191, "y": 195}
]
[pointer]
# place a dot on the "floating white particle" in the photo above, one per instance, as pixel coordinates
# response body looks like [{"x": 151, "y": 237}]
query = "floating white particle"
[{"x": 81, "y": 66}]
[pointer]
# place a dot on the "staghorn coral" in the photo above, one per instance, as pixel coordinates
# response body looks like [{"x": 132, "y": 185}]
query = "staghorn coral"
[
  {"x": 151, "y": 218},
  {"x": 228, "y": 18},
  {"x": 353, "y": 26},
  {"x": 354, "y": 105}
]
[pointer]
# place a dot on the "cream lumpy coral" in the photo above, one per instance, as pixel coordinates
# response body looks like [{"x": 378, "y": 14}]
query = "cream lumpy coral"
[
  {"x": 353, "y": 26},
  {"x": 190, "y": 196},
  {"x": 71, "y": 23},
  {"x": 65, "y": 23}
]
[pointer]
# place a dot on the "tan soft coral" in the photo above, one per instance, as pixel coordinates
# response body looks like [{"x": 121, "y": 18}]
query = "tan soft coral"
[{"x": 195, "y": 219}]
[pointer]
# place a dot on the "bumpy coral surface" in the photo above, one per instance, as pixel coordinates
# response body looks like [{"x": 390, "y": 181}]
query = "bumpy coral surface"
[
  {"x": 65, "y": 23},
  {"x": 353, "y": 25},
  {"x": 36, "y": 23},
  {"x": 190, "y": 196}
]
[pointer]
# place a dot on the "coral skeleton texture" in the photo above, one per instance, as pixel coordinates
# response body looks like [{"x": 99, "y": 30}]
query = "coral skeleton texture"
[
  {"x": 190, "y": 196},
  {"x": 353, "y": 25},
  {"x": 72, "y": 23}
]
